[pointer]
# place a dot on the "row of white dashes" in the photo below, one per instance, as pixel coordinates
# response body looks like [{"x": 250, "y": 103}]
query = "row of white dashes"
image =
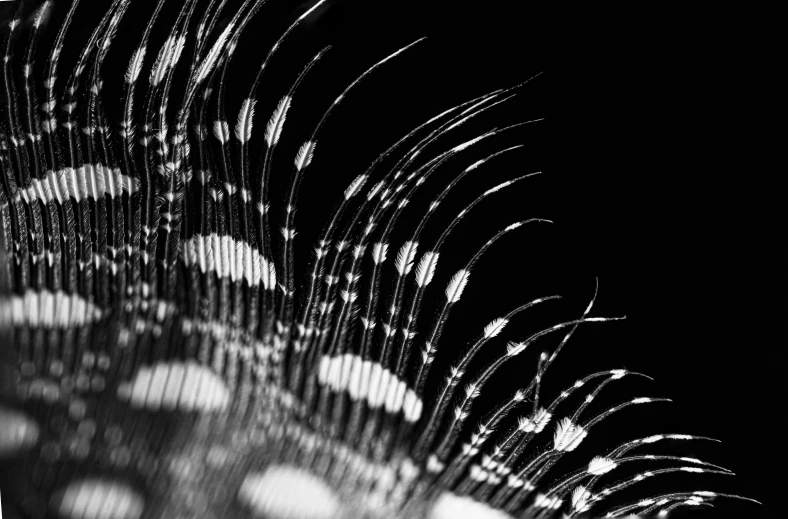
[
  {"x": 89, "y": 181},
  {"x": 367, "y": 380},
  {"x": 47, "y": 309},
  {"x": 187, "y": 386},
  {"x": 227, "y": 257}
]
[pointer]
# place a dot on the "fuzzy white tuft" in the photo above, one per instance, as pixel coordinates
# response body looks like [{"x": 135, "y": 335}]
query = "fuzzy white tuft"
[
  {"x": 495, "y": 327},
  {"x": 304, "y": 156},
  {"x": 243, "y": 128},
  {"x": 355, "y": 186},
  {"x": 222, "y": 131},
  {"x": 405, "y": 257},
  {"x": 426, "y": 268},
  {"x": 457, "y": 285},
  {"x": 568, "y": 435},
  {"x": 379, "y": 251},
  {"x": 168, "y": 57},
  {"x": 135, "y": 66},
  {"x": 213, "y": 55},
  {"x": 580, "y": 498},
  {"x": 274, "y": 128},
  {"x": 600, "y": 465}
]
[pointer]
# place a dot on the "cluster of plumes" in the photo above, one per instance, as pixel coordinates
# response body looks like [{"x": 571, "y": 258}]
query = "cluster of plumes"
[{"x": 146, "y": 269}]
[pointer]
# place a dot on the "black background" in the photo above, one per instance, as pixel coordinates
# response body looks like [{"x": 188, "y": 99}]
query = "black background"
[{"x": 661, "y": 154}]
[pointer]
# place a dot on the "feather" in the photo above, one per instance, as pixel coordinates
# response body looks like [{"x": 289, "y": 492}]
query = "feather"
[
  {"x": 457, "y": 285},
  {"x": 135, "y": 65},
  {"x": 213, "y": 55},
  {"x": 495, "y": 327},
  {"x": 273, "y": 129},
  {"x": 600, "y": 465},
  {"x": 379, "y": 251},
  {"x": 426, "y": 268},
  {"x": 150, "y": 280},
  {"x": 167, "y": 58},
  {"x": 42, "y": 14},
  {"x": 405, "y": 257},
  {"x": 355, "y": 186},
  {"x": 304, "y": 156},
  {"x": 243, "y": 128},
  {"x": 221, "y": 131}
]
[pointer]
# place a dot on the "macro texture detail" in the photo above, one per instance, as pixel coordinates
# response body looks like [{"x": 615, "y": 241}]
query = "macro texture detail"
[{"x": 166, "y": 360}]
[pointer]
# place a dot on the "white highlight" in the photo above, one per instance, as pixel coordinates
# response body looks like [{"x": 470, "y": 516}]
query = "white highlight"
[
  {"x": 568, "y": 435},
  {"x": 284, "y": 492},
  {"x": 243, "y": 128},
  {"x": 135, "y": 65},
  {"x": 495, "y": 327},
  {"x": 536, "y": 423},
  {"x": 379, "y": 251},
  {"x": 367, "y": 380},
  {"x": 98, "y": 499},
  {"x": 580, "y": 498},
  {"x": 170, "y": 385},
  {"x": 497, "y": 188},
  {"x": 213, "y": 56},
  {"x": 222, "y": 131},
  {"x": 52, "y": 310},
  {"x": 405, "y": 257},
  {"x": 304, "y": 156},
  {"x": 451, "y": 506},
  {"x": 42, "y": 14},
  {"x": 168, "y": 57},
  {"x": 600, "y": 465},
  {"x": 274, "y": 128},
  {"x": 374, "y": 190},
  {"x": 513, "y": 226},
  {"x": 355, "y": 186},
  {"x": 457, "y": 285},
  {"x": 212, "y": 253},
  {"x": 88, "y": 181},
  {"x": 17, "y": 433},
  {"x": 426, "y": 268}
]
